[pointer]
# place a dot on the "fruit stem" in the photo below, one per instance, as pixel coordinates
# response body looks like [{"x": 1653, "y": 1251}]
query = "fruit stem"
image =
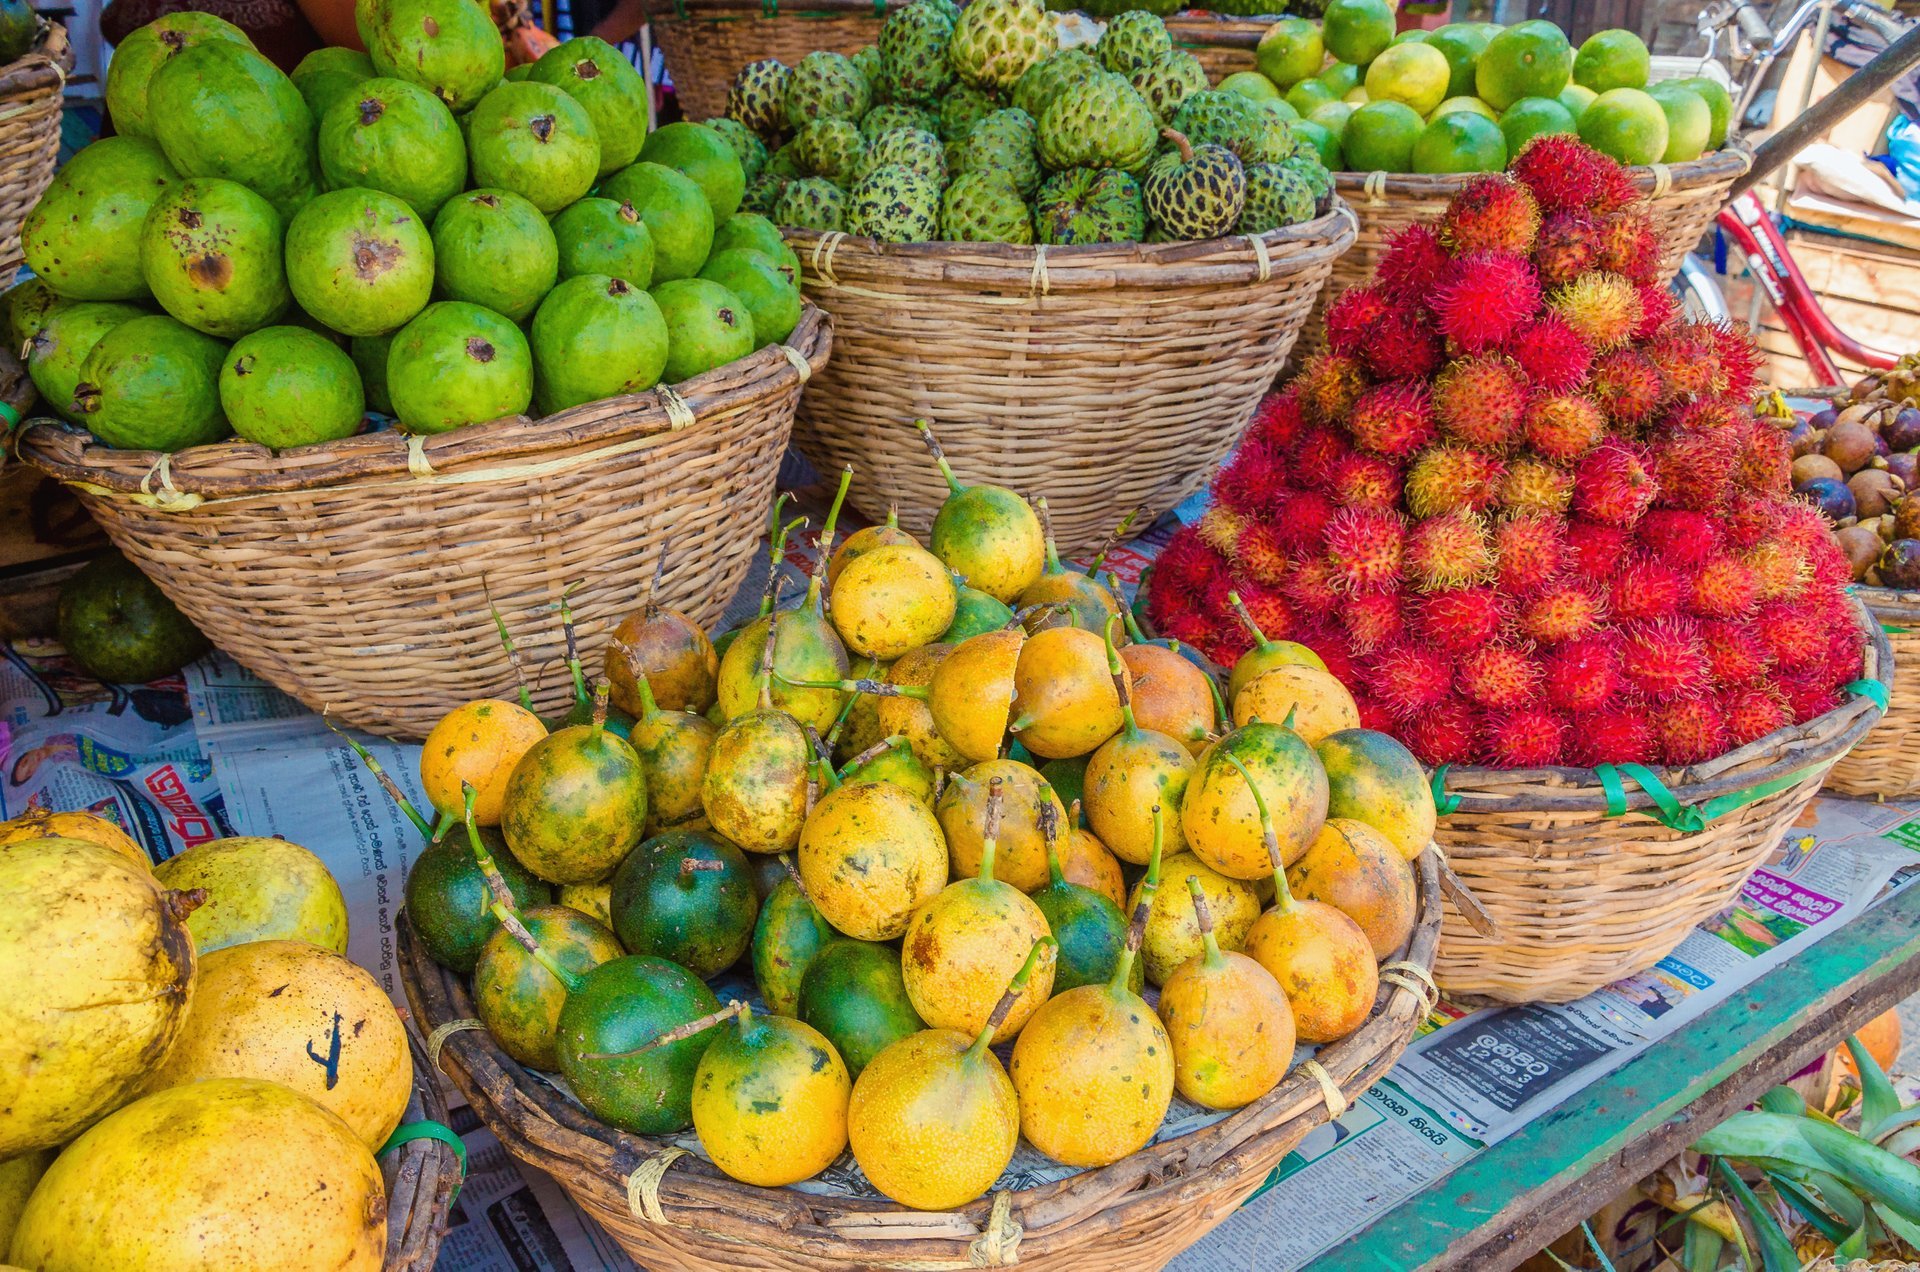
[
  {"x": 879, "y": 688},
  {"x": 1112, "y": 542},
  {"x": 1180, "y": 141},
  {"x": 939, "y": 457},
  {"x": 764, "y": 675},
  {"x": 824, "y": 548},
  {"x": 893, "y": 517},
  {"x": 1137, "y": 926},
  {"x": 502, "y": 906},
  {"x": 786, "y": 864},
  {"x": 1260, "y": 640},
  {"x": 777, "y": 550},
  {"x": 872, "y": 753},
  {"x": 181, "y": 903},
  {"x": 1050, "y": 833},
  {"x": 651, "y": 607},
  {"x": 601, "y": 689},
  {"x": 679, "y": 1033},
  {"x": 1126, "y": 611},
  {"x": 1118, "y": 671},
  {"x": 1204, "y": 917},
  {"x": 573, "y": 645},
  {"x": 649, "y": 709},
  {"x": 1015, "y": 987},
  {"x": 506, "y": 640},
  {"x": 1046, "y": 535},
  {"x": 387, "y": 784},
  {"x": 990, "y": 830},
  {"x": 1282, "y": 894},
  {"x": 446, "y": 823},
  {"x": 828, "y": 778},
  {"x": 1220, "y": 715},
  {"x": 1074, "y": 818},
  {"x": 846, "y": 708}
]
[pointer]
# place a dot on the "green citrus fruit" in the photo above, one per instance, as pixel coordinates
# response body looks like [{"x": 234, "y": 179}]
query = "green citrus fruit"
[
  {"x": 1461, "y": 43},
  {"x": 1576, "y": 98},
  {"x": 1612, "y": 59},
  {"x": 1531, "y": 116},
  {"x": 1718, "y": 101},
  {"x": 1460, "y": 142},
  {"x": 1472, "y": 105},
  {"x": 1358, "y": 96},
  {"x": 1309, "y": 95},
  {"x": 1341, "y": 78},
  {"x": 1290, "y": 51},
  {"x": 1279, "y": 107},
  {"x": 1689, "y": 121},
  {"x": 1410, "y": 73},
  {"x": 1323, "y": 141},
  {"x": 1627, "y": 124},
  {"x": 1358, "y": 31},
  {"x": 1333, "y": 117},
  {"x": 1380, "y": 137},
  {"x": 1532, "y": 59},
  {"x": 1254, "y": 84}
]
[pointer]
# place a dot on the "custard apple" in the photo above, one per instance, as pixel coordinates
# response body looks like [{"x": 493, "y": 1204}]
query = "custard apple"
[
  {"x": 1101, "y": 122},
  {"x": 964, "y": 107},
  {"x": 747, "y": 146},
  {"x": 1003, "y": 141},
  {"x": 866, "y": 60},
  {"x": 894, "y": 204},
  {"x": 1046, "y": 79},
  {"x": 763, "y": 193},
  {"x": 1318, "y": 179},
  {"x": 996, "y": 40},
  {"x": 1222, "y": 117},
  {"x": 1132, "y": 40},
  {"x": 1089, "y": 205},
  {"x": 912, "y": 148},
  {"x": 812, "y": 203},
  {"x": 785, "y": 162},
  {"x": 1167, "y": 81},
  {"x": 758, "y": 97},
  {"x": 913, "y": 53},
  {"x": 984, "y": 207},
  {"x": 1195, "y": 192},
  {"x": 826, "y": 86},
  {"x": 830, "y": 148},
  {"x": 1276, "y": 196},
  {"x": 884, "y": 119}
]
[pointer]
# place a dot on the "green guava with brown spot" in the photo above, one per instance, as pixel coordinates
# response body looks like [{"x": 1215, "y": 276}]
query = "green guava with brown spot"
[
  {"x": 596, "y": 337},
  {"x": 83, "y": 236},
  {"x": 360, "y": 261},
  {"x": 145, "y": 50},
  {"x": 451, "y": 48},
  {"x": 773, "y": 301},
  {"x": 457, "y": 364},
  {"x": 536, "y": 141},
  {"x": 705, "y": 157},
  {"x": 707, "y": 327},
  {"x": 25, "y": 308},
  {"x": 390, "y": 135},
  {"x": 603, "y": 236},
  {"x": 288, "y": 386},
  {"x": 676, "y": 211},
  {"x": 59, "y": 347},
  {"x": 211, "y": 254},
  {"x": 605, "y": 83},
  {"x": 219, "y": 109},
  {"x": 493, "y": 248},
  {"x": 326, "y": 75},
  {"x": 757, "y": 233},
  {"x": 152, "y": 383}
]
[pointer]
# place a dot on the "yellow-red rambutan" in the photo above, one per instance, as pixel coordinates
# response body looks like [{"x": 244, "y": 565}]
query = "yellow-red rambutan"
[
  {"x": 1491, "y": 213},
  {"x": 1484, "y": 297},
  {"x": 1393, "y": 419},
  {"x": 1480, "y": 401},
  {"x": 1446, "y": 478}
]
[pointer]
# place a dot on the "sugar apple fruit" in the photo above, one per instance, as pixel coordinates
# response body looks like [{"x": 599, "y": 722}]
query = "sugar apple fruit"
[
  {"x": 1046, "y": 79},
  {"x": 758, "y": 97},
  {"x": 1167, "y": 81},
  {"x": 826, "y": 86},
  {"x": 1224, "y": 118},
  {"x": 894, "y": 115},
  {"x": 996, "y": 40},
  {"x": 1318, "y": 179},
  {"x": 763, "y": 193},
  {"x": 1004, "y": 142},
  {"x": 1195, "y": 192},
  {"x": 894, "y": 204},
  {"x": 964, "y": 107},
  {"x": 913, "y": 53},
  {"x": 830, "y": 148},
  {"x": 1089, "y": 205},
  {"x": 866, "y": 60},
  {"x": 812, "y": 203},
  {"x": 1276, "y": 196},
  {"x": 747, "y": 146},
  {"x": 785, "y": 162},
  {"x": 1101, "y": 122},
  {"x": 912, "y": 148},
  {"x": 1132, "y": 40},
  {"x": 984, "y": 207}
]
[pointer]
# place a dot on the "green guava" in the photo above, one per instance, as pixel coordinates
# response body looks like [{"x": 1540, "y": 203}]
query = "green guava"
[
  {"x": 536, "y": 141},
  {"x": 369, "y": 354},
  {"x": 394, "y": 136},
  {"x": 604, "y": 82},
  {"x": 287, "y": 386},
  {"x": 493, "y": 248},
  {"x": 601, "y": 236},
  {"x": 757, "y": 233},
  {"x": 457, "y": 364},
  {"x": 119, "y": 625},
  {"x": 360, "y": 261},
  {"x": 83, "y": 237},
  {"x": 676, "y": 212},
  {"x": 326, "y": 75},
  {"x": 705, "y": 156},
  {"x": 152, "y": 383},
  {"x": 451, "y": 48},
  {"x": 137, "y": 57},
  {"x": 596, "y": 337},
  {"x": 210, "y": 251},
  {"x": 60, "y": 347},
  {"x": 25, "y": 307},
  {"x": 219, "y": 109},
  {"x": 773, "y": 301},
  {"x": 707, "y": 326}
]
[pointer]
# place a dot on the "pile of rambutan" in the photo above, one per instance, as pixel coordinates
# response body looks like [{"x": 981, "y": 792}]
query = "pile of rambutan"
[{"x": 1521, "y": 506}]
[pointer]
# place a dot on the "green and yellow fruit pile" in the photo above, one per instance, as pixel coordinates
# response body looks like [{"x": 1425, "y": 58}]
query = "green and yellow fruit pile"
[
  {"x": 191, "y": 1072},
  {"x": 911, "y": 806},
  {"x": 973, "y": 125},
  {"x": 270, "y": 255},
  {"x": 1467, "y": 97}
]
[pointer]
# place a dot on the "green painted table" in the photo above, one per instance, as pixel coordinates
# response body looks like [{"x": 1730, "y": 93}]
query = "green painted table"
[{"x": 1511, "y": 1200}]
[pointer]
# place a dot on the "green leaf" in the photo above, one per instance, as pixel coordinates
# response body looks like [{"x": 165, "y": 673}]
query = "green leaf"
[
  {"x": 1857, "y": 1245},
  {"x": 1701, "y": 1253},
  {"x": 1830, "y": 1228},
  {"x": 1837, "y": 1197},
  {"x": 1878, "y": 1102},
  {"x": 1784, "y": 1100},
  {"x": 1776, "y": 1252},
  {"x": 1769, "y": 1138},
  {"x": 1904, "y": 1118},
  {"x": 1899, "y": 1225},
  {"x": 1903, "y": 1142}
]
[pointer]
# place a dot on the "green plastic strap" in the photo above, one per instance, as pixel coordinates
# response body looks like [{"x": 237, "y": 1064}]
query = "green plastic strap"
[
  {"x": 1616, "y": 790},
  {"x": 1689, "y": 819},
  {"x": 410, "y": 1131},
  {"x": 1443, "y": 803},
  {"x": 1870, "y": 689},
  {"x": 9, "y": 417},
  {"x": 1891, "y": 630}
]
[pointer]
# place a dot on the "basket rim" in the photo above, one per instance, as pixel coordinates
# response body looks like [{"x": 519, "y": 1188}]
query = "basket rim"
[
  {"x": 236, "y": 468},
  {"x": 1730, "y": 161},
  {"x": 1889, "y": 602},
  {"x": 765, "y": 10},
  {"x": 566, "y": 1136}
]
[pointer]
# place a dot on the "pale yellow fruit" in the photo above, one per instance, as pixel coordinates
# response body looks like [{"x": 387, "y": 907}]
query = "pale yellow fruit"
[
  {"x": 1172, "y": 934},
  {"x": 259, "y": 890},
  {"x": 41, "y": 824},
  {"x": 18, "y": 1175}
]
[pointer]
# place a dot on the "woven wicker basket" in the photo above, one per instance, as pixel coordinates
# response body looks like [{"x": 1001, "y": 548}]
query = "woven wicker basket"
[
  {"x": 1223, "y": 43},
  {"x": 1106, "y": 377},
  {"x": 1886, "y": 763},
  {"x": 673, "y": 1209},
  {"x": 357, "y": 574},
  {"x": 421, "y": 1176},
  {"x": 706, "y": 42},
  {"x": 1582, "y": 898},
  {"x": 30, "y": 96}
]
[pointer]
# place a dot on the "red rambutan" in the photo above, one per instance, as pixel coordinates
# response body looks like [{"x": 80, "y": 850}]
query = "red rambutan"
[
  {"x": 1491, "y": 213},
  {"x": 1565, "y": 426},
  {"x": 1626, "y": 386},
  {"x": 1809, "y": 692},
  {"x": 1739, "y": 359},
  {"x": 1402, "y": 346},
  {"x": 1365, "y": 481},
  {"x": 1269, "y": 611},
  {"x": 1364, "y": 546},
  {"x": 1310, "y": 586},
  {"x": 1530, "y": 549},
  {"x": 1277, "y": 421},
  {"x": 1446, "y": 478},
  {"x": 1562, "y": 612},
  {"x": 1329, "y": 384},
  {"x": 1780, "y": 567},
  {"x": 1829, "y": 567},
  {"x": 1595, "y": 549},
  {"x": 1747, "y": 519},
  {"x": 1582, "y": 675},
  {"x": 1483, "y": 297},
  {"x": 1705, "y": 414},
  {"x": 1793, "y": 635},
  {"x": 1393, "y": 419},
  {"x": 1449, "y": 733},
  {"x": 1525, "y": 737},
  {"x": 1752, "y": 712},
  {"x": 1723, "y": 587},
  {"x": 1301, "y": 517},
  {"x": 1686, "y": 360},
  {"x": 1567, "y": 247},
  {"x": 1501, "y": 676},
  {"x": 1551, "y": 353},
  {"x": 1372, "y": 714},
  {"x": 1462, "y": 618},
  {"x": 1186, "y": 564},
  {"x": 1372, "y": 620},
  {"x": 1409, "y": 679},
  {"x": 1534, "y": 485},
  {"x": 1259, "y": 553},
  {"x": 1629, "y": 246},
  {"x": 1846, "y": 648},
  {"x": 1480, "y": 401},
  {"x": 1766, "y": 459},
  {"x": 1657, "y": 309},
  {"x": 1695, "y": 470},
  {"x": 1679, "y": 537},
  {"x": 1663, "y": 659},
  {"x": 1645, "y": 587},
  {"x": 1803, "y": 525},
  {"x": 1415, "y": 260},
  {"x": 1450, "y": 550},
  {"x": 1613, "y": 485},
  {"x": 1319, "y": 449},
  {"x": 1349, "y": 317},
  {"x": 1329, "y": 641},
  {"x": 1565, "y": 175},
  {"x": 1734, "y": 654},
  {"x": 1690, "y": 729},
  {"x": 1603, "y": 309},
  {"x": 1619, "y": 734},
  {"x": 1251, "y": 481}
]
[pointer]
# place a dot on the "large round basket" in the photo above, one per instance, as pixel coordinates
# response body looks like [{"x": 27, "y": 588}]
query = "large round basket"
[
  {"x": 1223, "y": 42},
  {"x": 672, "y": 1209},
  {"x": 422, "y": 1173},
  {"x": 357, "y": 575},
  {"x": 705, "y": 42},
  {"x": 1886, "y": 764},
  {"x": 1590, "y": 875},
  {"x": 30, "y": 89},
  {"x": 1108, "y": 377}
]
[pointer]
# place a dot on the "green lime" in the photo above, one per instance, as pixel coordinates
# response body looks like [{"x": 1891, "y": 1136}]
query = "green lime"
[
  {"x": 1627, "y": 124},
  {"x": 1380, "y": 137},
  {"x": 1460, "y": 142},
  {"x": 1358, "y": 96},
  {"x": 1290, "y": 51},
  {"x": 1323, "y": 140},
  {"x": 1410, "y": 73},
  {"x": 1718, "y": 101},
  {"x": 1462, "y": 43},
  {"x": 1532, "y": 59},
  {"x": 1689, "y": 121},
  {"x": 1278, "y": 106},
  {"x": 1358, "y": 31},
  {"x": 1333, "y": 117},
  {"x": 1472, "y": 105},
  {"x": 1612, "y": 59},
  {"x": 1576, "y": 99},
  {"x": 1415, "y": 36},
  {"x": 1308, "y": 95},
  {"x": 1254, "y": 84},
  {"x": 1531, "y": 116},
  {"x": 1341, "y": 77}
]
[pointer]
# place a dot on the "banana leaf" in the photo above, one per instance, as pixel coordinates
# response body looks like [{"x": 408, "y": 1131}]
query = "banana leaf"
[{"x": 1769, "y": 1138}]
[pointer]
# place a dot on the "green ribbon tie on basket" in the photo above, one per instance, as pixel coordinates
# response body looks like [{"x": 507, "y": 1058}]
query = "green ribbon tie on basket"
[
  {"x": 1688, "y": 819},
  {"x": 9, "y": 418},
  {"x": 1443, "y": 803},
  {"x": 1871, "y": 689},
  {"x": 429, "y": 1129}
]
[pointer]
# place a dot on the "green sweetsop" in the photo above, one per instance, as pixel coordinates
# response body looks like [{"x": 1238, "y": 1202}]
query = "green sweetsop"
[
  {"x": 826, "y": 86},
  {"x": 1195, "y": 192},
  {"x": 1089, "y": 205},
  {"x": 1101, "y": 122},
  {"x": 785, "y": 162},
  {"x": 747, "y": 146},
  {"x": 758, "y": 97},
  {"x": 1132, "y": 40},
  {"x": 812, "y": 203},
  {"x": 964, "y": 107},
  {"x": 866, "y": 60},
  {"x": 1003, "y": 141},
  {"x": 912, "y": 148},
  {"x": 984, "y": 207},
  {"x": 1044, "y": 80},
  {"x": 894, "y": 204},
  {"x": 763, "y": 193},
  {"x": 1276, "y": 196},
  {"x": 1168, "y": 81},
  {"x": 1310, "y": 170},
  {"x": 1224, "y": 118},
  {"x": 996, "y": 40},
  {"x": 913, "y": 53},
  {"x": 883, "y": 119},
  {"x": 830, "y": 148}
]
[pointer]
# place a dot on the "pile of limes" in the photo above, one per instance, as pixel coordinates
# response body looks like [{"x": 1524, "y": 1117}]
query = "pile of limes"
[{"x": 1467, "y": 97}]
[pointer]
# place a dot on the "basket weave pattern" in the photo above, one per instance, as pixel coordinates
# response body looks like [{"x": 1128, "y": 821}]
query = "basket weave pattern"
[
  {"x": 1223, "y": 43},
  {"x": 357, "y": 574},
  {"x": 704, "y": 48},
  {"x": 1886, "y": 764},
  {"x": 1582, "y": 899},
  {"x": 673, "y": 1209},
  {"x": 30, "y": 89},
  {"x": 1107, "y": 377}
]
